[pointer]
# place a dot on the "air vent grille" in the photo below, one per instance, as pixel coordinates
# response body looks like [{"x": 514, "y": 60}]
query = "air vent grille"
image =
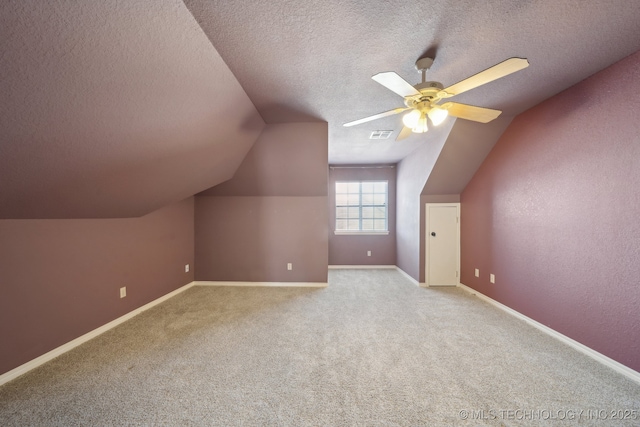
[{"x": 380, "y": 134}]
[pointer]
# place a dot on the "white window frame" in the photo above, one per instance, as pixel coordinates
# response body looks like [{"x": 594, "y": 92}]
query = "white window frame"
[{"x": 360, "y": 206}]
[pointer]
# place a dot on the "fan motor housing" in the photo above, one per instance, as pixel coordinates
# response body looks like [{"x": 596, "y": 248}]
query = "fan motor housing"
[
  {"x": 429, "y": 85},
  {"x": 428, "y": 94}
]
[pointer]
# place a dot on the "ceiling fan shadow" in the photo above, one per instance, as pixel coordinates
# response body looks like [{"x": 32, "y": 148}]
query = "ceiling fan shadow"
[{"x": 430, "y": 52}]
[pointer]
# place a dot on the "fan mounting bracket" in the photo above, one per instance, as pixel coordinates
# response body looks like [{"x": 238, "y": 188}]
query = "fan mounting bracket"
[{"x": 423, "y": 64}]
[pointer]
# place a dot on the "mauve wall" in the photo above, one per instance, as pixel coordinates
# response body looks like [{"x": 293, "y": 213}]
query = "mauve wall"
[
  {"x": 61, "y": 278},
  {"x": 251, "y": 239},
  {"x": 412, "y": 175},
  {"x": 553, "y": 213},
  {"x": 272, "y": 212},
  {"x": 350, "y": 249}
]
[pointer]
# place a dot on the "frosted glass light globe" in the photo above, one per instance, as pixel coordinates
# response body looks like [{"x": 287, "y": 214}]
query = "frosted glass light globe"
[
  {"x": 410, "y": 119},
  {"x": 437, "y": 115}
]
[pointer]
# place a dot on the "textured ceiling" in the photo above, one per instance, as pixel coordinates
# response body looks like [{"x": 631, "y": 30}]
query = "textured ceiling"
[
  {"x": 301, "y": 60},
  {"x": 113, "y": 109}
]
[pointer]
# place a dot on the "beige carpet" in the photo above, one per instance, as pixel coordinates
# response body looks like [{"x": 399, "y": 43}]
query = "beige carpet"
[{"x": 372, "y": 349}]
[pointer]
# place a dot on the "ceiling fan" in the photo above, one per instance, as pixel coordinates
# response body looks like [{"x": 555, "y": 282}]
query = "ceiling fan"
[{"x": 422, "y": 99}]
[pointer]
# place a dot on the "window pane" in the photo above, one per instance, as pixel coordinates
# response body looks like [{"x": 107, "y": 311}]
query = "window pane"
[
  {"x": 367, "y": 187},
  {"x": 353, "y": 199},
  {"x": 354, "y": 187},
  {"x": 380, "y": 187},
  {"x": 341, "y": 212},
  {"x": 341, "y": 187},
  {"x": 361, "y": 206},
  {"x": 367, "y": 224}
]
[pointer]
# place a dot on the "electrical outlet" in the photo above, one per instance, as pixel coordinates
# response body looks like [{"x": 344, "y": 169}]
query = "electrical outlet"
[
  {"x": 477, "y": 273},
  {"x": 368, "y": 253},
  {"x": 123, "y": 292},
  {"x": 492, "y": 278},
  {"x": 186, "y": 268},
  {"x": 289, "y": 266}
]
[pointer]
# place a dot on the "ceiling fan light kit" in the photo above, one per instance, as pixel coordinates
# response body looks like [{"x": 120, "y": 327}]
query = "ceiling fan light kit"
[
  {"x": 416, "y": 121},
  {"x": 422, "y": 99},
  {"x": 437, "y": 115}
]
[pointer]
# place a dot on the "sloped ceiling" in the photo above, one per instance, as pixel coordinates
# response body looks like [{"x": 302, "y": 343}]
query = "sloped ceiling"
[
  {"x": 287, "y": 160},
  {"x": 303, "y": 60},
  {"x": 116, "y": 108},
  {"x": 462, "y": 154},
  {"x": 113, "y": 109}
]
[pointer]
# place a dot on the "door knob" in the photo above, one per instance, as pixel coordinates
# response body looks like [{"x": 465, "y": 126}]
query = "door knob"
[{"x": 433, "y": 233}]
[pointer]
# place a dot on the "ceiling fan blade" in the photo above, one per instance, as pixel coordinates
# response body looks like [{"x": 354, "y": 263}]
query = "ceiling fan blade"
[
  {"x": 504, "y": 68},
  {"x": 471, "y": 112},
  {"x": 404, "y": 133},
  {"x": 377, "y": 116},
  {"x": 395, "y": 83}
]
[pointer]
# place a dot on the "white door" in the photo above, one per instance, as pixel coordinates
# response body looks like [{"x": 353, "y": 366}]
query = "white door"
[{"x": 443, "y": 242}]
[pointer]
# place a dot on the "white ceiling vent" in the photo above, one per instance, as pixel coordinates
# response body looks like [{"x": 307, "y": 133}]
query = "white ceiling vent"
[{"x": 380, "y": 134}]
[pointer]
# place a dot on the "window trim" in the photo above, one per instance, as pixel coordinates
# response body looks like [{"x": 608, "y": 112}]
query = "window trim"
[
  {"x": 360, "y": 233},
  {"x": 360, "y": 206}
]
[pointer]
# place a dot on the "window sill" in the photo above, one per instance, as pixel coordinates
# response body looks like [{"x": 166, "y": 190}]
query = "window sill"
[{"x": 361, "y": 233}]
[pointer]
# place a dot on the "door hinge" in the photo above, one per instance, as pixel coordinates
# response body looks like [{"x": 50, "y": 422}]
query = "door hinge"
[
  {"x": 457, "y": 273},
  {"x": 457, "y": 220}
]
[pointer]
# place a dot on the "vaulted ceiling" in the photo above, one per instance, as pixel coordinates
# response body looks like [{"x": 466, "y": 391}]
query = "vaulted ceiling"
[
  {"x": 313, "y": 60},
  {"x": 114, "y": 109}
]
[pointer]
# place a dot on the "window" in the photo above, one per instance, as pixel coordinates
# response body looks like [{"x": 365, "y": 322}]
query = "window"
[{"x": 361, "y": 207}]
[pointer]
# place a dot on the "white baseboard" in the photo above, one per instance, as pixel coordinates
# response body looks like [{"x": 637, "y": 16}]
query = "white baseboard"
[
  {"x": 406, "y": 275},
  {"x": 274, "y": 284},
  {"x": 361, "y": 267},
  {"x": 32, "y": 364},
  {"x": 599, "y": 357},
  {"x": 378, "y": 267}
]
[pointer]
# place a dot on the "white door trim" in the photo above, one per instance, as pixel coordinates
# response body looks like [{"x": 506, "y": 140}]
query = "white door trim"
[{"x": 426, "y": 239}]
